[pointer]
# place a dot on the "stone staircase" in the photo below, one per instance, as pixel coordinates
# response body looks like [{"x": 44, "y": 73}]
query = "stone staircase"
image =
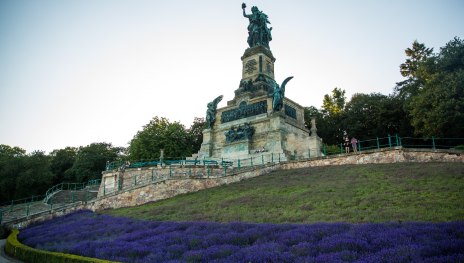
[
  {"x": 16, "y": 212},
  {"x": 60, "y": 200},
  {"x": 71, "y": 196}
]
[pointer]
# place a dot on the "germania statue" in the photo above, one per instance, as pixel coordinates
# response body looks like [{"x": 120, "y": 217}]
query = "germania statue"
[{"x": 258, "y": 32}]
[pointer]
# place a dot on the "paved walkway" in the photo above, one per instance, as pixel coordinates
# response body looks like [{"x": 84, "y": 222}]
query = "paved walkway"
[{"x": 3, "y": 257}]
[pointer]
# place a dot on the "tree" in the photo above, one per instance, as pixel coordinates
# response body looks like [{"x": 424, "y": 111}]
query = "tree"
[
  {"x": 330, "y": 127},
  {"x": 159, "y": 134},
  {"x": 322, "y": 125},
  {"x": 11, "y": 164},
  {"x": 373, "y": 115},
  {"x": 62, "y": 161},
  {"x": 195, "y": 133},
  {"x": 91, "y": 161},
  {"x": 334, "y": 105},
  {"x": 437, "y": 109},
  {"x": 417, "y": 55},
  {"x": 35, "y": 177}
]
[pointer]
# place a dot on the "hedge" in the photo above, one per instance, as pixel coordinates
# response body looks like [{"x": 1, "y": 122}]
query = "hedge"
[{"x": 22, "y": 252}]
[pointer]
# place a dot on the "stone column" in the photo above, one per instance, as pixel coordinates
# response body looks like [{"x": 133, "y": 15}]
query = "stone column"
[
  {"x": 315, "y": 142},
  {"x": 206, "y": 149}
]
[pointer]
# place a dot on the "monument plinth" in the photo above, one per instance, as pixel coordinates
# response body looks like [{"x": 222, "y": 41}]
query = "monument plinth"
[{"x": 259, "y": 118}]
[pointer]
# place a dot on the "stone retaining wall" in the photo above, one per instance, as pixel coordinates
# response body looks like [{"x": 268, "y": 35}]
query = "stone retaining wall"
[
  {"x": 46, "y": 215},
  {"x": 175, "y": 186},
  {"x": 158, "y": 190},
  {"x": 396, "y": 155},
  {"x": 170, "y": 188}
]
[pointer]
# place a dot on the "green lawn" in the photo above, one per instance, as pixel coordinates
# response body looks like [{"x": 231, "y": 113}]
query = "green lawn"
[{"x": 350, "y": 193}]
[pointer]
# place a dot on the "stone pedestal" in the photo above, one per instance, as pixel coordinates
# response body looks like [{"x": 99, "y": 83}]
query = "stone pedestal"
[
  {"x": 315, "y": 142},
  {"x": 206, "y": 145},
  {"x": 236, "y": 150},
  {"x": 257, "y": 60},
  {"x": 281, "y": 133}
]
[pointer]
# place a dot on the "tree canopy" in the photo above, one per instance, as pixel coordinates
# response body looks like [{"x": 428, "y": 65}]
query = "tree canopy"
[
  {"x": 435, "y": 91},
  {"x": 159, "y": 134}
]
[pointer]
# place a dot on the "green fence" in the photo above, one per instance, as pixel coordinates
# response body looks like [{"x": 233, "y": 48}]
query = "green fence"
[
  {"x": 69, "y": 186},
  {"x": 26, "y": 207},
  {"x": 396, "y": 141},
  {"x": 33, "y": 198},
  {"x": 375, "y": 143}
]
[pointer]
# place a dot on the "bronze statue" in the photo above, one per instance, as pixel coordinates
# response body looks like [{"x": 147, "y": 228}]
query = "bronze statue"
[
  {"x": 258, "y": 32},
  {"x": 244, "y": 132},
  {"x": 278, "y": 95},
  {"x": 211, "y": 111}
]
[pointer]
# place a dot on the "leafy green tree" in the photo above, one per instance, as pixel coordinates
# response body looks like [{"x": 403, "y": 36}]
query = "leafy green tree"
[
  {"x": 11, "y": 164},
  {"x": 416, "y": 55},
  {"x": 35, "y": 177},
  {"x": 91, "y": 161},
  {"x": 195, "y": 133},
  {"x": 334, "y": 104},
  {"x": 367, "y": 116},
  {"x": 437, "y": 109},
  {"x": 62, "y": 161},
  {"x": 330, "y": 126},
  {"x": 321, "y": 122},
  {"x": 159, "y": 134},
  {"x": 310, "y": 112}
]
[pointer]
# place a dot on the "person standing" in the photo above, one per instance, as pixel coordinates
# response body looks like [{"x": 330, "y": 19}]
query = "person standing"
[{"x": 354, "y": 144}]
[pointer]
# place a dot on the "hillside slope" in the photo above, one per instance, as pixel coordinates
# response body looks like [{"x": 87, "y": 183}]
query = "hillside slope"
[{"x": 351, "y": 193}]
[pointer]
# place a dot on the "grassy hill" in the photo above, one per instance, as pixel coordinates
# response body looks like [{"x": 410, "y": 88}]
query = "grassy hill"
[{"x": 350, "y": 193}]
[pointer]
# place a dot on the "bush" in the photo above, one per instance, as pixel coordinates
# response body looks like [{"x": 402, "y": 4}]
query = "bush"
[
  {"x": 27, "y": 254},
  {"x": 129, "y": 240},
  {"x": 332, "y": 149},
  {"x": 460, "y": 147}
]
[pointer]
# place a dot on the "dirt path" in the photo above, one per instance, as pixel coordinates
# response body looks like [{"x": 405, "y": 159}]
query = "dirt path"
[{"x": 3, "y": 257}]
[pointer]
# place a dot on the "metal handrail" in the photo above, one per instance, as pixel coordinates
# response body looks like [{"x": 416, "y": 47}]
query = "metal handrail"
[{"x": 69, "y": 186}]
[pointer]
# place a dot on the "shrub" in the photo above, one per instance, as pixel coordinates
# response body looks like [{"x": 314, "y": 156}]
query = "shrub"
[
  {"x": 27, "y": 254},
  {"x": 130, "y": 240}
]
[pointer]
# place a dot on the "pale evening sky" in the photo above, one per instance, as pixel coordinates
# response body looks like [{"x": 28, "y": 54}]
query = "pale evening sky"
[{"x": 76, "y": 72}]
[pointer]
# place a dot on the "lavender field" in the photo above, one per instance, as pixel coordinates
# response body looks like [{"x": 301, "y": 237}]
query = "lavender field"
[{"x": 129, "y": 240}]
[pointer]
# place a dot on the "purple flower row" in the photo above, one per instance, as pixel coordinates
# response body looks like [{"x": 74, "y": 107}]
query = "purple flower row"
[{"x": 129, "y": 240}]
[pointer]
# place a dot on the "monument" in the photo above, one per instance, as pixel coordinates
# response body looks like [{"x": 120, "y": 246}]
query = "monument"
[{"x": 259, "y": 118}]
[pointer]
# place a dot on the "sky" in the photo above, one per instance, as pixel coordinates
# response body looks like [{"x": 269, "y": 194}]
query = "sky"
[{"x": 79, "y": 71}]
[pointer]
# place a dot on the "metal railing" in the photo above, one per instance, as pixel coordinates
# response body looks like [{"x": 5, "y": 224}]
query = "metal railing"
[
  {"x": 33, "y": 198},
  {"x": 20, "y": 212},
  {"x": 376, "y": 143},
  {"x": 23, "y": 208},
  {"x": 397, "y": 141},
  {"x": 69, "y": 186},
  {"x": 176, "y": 168},
  {"x": 259, "y": 158}
]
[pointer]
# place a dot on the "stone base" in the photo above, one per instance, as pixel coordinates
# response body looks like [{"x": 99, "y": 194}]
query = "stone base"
[
  {"x": 280, "y": 133},
  {"x": 236, "y": 150},
  {"x": 315, "y": 145},
  {"x": 206, "y": 146}
]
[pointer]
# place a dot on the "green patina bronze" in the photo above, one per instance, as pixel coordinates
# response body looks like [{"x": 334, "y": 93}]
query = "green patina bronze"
[
  {"x": 211, "y": 111},
  {"x": 242, "y": 132},
  {"x": 290, "y": 111},
  {"x": 258, "y": 31},
  {"x": 243, "y": 111},
  {"x": 278, "y": 95}
]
